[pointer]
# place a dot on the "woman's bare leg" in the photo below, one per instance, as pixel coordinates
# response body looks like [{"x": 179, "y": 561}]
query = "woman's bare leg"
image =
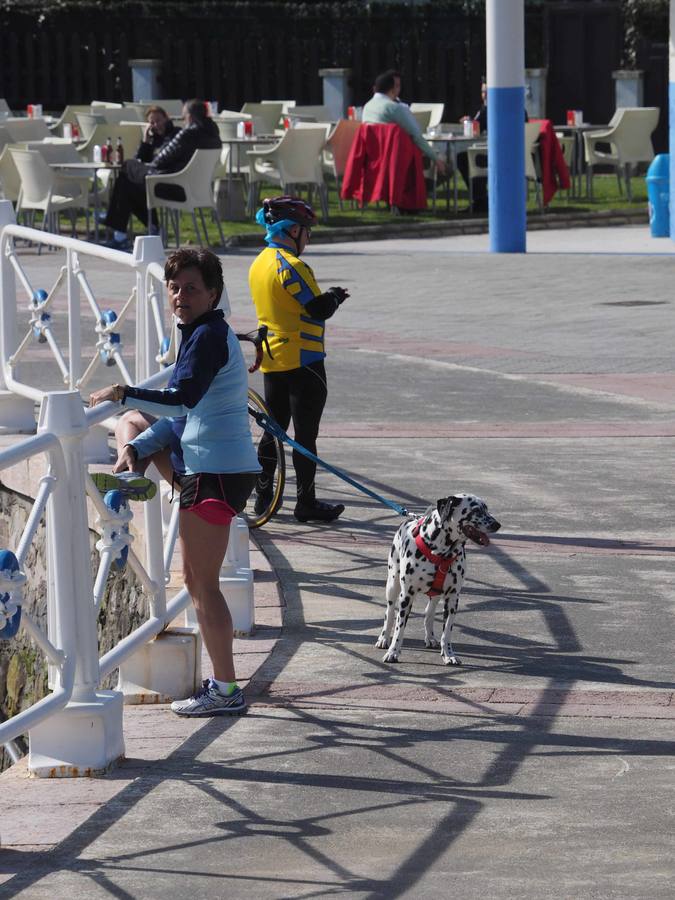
[
  {"x": 203, "y": 548},
  {"x": 130, "y": 425}
]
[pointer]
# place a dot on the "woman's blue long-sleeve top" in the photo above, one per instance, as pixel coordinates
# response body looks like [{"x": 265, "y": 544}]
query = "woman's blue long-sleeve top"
[{"x": 203, "y": 410}]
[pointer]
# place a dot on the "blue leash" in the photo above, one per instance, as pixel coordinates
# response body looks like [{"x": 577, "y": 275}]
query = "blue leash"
[{"x": 277, "y": 431}]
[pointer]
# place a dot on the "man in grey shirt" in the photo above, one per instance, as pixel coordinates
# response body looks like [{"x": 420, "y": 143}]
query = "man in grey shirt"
[{"x": 384, "y": 108}]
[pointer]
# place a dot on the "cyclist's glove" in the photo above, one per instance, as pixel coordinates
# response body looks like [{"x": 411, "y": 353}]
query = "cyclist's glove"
[
  {"x": 339, "y": 293},
  {"x": 325, "y": 305}
]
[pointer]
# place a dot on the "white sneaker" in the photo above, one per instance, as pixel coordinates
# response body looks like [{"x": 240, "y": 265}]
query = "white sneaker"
[{"x": 209, "y": 701}]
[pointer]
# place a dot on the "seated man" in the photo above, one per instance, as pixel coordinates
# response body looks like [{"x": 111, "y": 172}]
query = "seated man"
[
  {"x": 479, "y": 191},
  {"x": 384, "y": 107},
  {"x": 200, "y": 133}
]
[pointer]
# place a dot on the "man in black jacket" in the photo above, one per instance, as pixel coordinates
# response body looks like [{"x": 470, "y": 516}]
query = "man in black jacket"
[{"x": 128, "y": 196}]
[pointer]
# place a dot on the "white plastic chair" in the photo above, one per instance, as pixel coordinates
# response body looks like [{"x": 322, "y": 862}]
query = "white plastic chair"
[
  {"x": 4, "y": 109},
  {"x": 295, "y": 160},
  {"x": 630, "y": 143},
  {"x": 311, "y": 113},
  {"x": 106, "y": 104},
  {"x": 58, "y": 151},
  {"x": 435, "y": 111},
  {"x": 26, "y": 129},
  {"x": 10, "y": 180},
  {"x": 87, "y": 122},
  {"x": 5, "y": 137},
  {"x": 422, "y": 117},
  {"x": 336, "y": 151},
  {"x": 68, "y": 117},
  {"x": 103, "y": 116},
  {"x": 44, "y": 190},
  {"x": 196, "y": 180},
  {"x": 265, "y": 116},
  {"x": 285, "y": 104}
]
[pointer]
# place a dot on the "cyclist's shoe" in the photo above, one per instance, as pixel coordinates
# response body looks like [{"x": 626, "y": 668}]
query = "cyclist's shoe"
[
  {"x": 262, "y": 502},
  {"x": 132, "y": 485},
  {"x": 208, "y": 701},
  {"x": 317, "y": 511}
]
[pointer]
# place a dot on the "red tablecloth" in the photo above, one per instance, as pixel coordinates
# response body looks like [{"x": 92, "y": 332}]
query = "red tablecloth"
[
  {"x": 384, "y": 164},
  {"x": 554, "y": 171}
]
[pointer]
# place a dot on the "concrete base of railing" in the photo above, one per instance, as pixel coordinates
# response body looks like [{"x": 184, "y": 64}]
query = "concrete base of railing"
[
  {"x": 238, "y": 548},
  {"x": 237, "y": 588},
  {"x": 168, "y": 668},
  {"x": 84, "y": 739},
  {"x": 17, "y": 414},
  {"x": 95, "y": 447},
  {"x": 236, "y": 585}
]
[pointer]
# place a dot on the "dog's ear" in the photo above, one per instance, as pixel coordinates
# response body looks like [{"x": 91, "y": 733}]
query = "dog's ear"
[{"x": 446, "y": 505}]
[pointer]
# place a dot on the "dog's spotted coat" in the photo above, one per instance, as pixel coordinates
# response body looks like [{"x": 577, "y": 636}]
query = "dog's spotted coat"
[{"x": 445, "y": 531}]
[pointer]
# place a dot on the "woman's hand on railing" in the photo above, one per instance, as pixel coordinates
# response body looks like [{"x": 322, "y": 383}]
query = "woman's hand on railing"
[{"x": 115, "y": 393}]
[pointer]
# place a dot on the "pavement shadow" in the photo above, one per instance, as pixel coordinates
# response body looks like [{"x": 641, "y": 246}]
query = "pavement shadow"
[{"x": 395, "y": 775}]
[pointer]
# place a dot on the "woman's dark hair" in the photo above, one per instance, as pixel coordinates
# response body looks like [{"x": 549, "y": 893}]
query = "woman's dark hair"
[
  {"x": 152, "y": 110},
  {"x": 385, "y": 82},
  {"x": 207, "y": 262},
  {"x": 197, "y": 109}
]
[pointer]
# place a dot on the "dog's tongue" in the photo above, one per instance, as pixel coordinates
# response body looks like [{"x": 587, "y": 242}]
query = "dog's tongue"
[{"x": 478, "y": 537}]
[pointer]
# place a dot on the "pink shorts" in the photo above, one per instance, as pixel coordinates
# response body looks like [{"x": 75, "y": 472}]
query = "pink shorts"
[{"x": 216, "y": 498}]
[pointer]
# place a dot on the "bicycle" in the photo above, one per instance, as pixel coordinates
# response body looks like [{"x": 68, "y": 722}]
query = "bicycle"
[{"x": 274, "y": 449}]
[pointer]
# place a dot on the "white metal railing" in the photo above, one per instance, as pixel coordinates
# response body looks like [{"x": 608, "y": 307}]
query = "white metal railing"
[
  {"x": 73, "y": 597},
  {"x": 145, "y": 302}
]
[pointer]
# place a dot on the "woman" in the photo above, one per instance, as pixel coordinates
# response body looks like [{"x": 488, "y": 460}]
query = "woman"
[
  {"x": 159, "y": 131},
  {"x": 200, "y": 442},
  {"x": 128, "y": 196}
]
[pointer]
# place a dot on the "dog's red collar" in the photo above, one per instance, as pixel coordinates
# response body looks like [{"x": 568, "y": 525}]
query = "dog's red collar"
[{"x": 442, "y": 563}]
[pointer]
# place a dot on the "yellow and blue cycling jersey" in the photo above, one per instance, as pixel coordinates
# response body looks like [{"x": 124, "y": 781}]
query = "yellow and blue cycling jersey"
[{"x": 281, "y": 284}]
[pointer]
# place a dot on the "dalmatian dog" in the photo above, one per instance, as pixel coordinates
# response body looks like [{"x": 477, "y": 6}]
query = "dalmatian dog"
[{"x": 427, "y": 557}]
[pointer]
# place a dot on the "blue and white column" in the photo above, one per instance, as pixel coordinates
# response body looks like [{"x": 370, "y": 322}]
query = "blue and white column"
[
  {"x": 671, "y": 115},
  {"x": 505, "y": 24}
]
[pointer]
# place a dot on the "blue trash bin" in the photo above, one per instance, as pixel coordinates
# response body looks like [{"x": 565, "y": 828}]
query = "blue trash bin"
[{"x": 658, "y": 192}]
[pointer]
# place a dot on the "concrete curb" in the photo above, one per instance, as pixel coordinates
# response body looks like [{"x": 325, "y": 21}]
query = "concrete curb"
[{"x": 438, "y": 228}]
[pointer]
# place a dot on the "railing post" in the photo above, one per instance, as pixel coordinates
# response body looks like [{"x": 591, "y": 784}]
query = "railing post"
[
  {"x": 149, "y": 250},
  {"x": 74, "y": 313},
  {"x": 85, "y": 738},
  {"x": 146, "y": 250},
  {"x": 17, "y": 414}
]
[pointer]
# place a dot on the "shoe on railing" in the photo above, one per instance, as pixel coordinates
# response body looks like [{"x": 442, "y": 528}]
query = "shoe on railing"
[{"x": 132, "y": 485}]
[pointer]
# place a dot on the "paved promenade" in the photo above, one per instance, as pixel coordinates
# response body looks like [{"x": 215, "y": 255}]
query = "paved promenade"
[{"x": 542, "y": 768}]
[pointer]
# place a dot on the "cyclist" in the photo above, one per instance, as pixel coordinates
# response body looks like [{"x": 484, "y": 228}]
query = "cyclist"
[{"x": 290, "y": 303}]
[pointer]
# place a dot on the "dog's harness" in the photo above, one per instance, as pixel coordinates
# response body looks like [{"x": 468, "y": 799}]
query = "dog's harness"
[{"x": 442, "y": 563}]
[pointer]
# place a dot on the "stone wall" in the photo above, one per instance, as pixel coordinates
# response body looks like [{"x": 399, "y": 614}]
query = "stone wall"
[{"x": 23, "y": 667}]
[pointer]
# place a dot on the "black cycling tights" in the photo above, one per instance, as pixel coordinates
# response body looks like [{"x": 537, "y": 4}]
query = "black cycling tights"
[{"x": 299, "y": 395}]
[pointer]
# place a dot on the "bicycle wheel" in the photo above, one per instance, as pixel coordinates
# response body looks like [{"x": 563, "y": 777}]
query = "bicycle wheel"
[{"x": 272, "y": 450}]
